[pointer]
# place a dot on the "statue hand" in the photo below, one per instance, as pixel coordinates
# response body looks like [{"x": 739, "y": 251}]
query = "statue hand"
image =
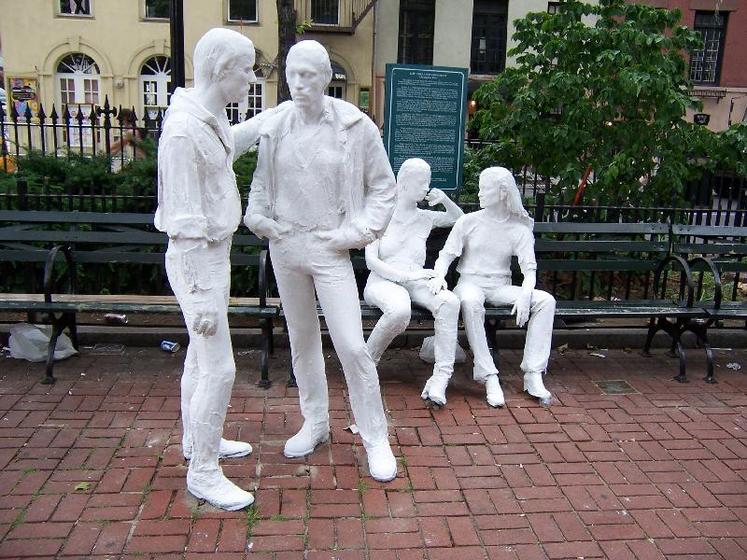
[
  {"x": 521, "y": 309},
  {"x": 205, "y": 323},
  {"x": 264, "y": 227},
  {"x": 422, "y": 274},
  {"x": 343, "y": 239},
  {"x": 435, "y": 196},
  {"x": 437, "y": 283}
]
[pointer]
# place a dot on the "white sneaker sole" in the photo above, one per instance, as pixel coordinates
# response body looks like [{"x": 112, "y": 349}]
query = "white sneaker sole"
[
  {"x": 227, "y": 507},
  {"x": 188, "y": 456},
  {"x": 306, "y": 452}
]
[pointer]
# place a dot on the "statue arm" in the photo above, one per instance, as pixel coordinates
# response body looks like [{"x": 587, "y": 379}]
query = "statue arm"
[
  {"x": 528, "y": 264},
  {"x": 246, "y": 134},
  {"x": 383, "y": 269},
  {"x": 257, "y": 216},
  {"x": 379, "y": 183},
  {"x": 452, "y": 214}
]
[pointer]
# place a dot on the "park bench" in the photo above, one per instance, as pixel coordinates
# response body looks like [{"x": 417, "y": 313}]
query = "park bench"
[
  {"x": 64, "y": 241},
  {"x": 721, "y": 252},
  {"x": 595, "y": 271}
]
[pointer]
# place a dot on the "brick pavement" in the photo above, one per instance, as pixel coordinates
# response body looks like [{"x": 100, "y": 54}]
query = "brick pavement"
[{"x": 91, "y": 467}]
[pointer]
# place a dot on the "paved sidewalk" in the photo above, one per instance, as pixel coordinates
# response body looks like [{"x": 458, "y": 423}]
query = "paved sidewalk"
[{"x": 92, "y": 467}]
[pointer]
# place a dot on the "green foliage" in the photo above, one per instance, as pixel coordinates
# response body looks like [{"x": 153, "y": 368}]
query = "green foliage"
[{"x": 602, "y": 87}]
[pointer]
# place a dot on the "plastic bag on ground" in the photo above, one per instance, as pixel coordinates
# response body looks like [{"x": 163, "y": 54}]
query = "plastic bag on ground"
[
  {"x": 31, "y": 342},
  {"x": 427, "y": 352}
]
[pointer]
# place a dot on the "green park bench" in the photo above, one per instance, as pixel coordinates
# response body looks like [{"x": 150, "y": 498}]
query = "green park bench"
[{"x": 64, "y": 241}]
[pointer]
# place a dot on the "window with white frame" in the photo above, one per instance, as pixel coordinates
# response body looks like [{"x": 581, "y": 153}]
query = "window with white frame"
[
  {"x": 325, "y": 12},
  {"x": 242, "y": 10},
  {"x": 254, "y": 104},
  {"x": 155, "y": 76},
  {"x": 339, "y": 80},
  {"x": 75, "y": 8},
  {"x": 78, "y": 90},
  {"x": 157, "y": 9}
]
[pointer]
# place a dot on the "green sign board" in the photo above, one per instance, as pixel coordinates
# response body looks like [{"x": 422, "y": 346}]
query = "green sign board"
[{"x": 424, "y": 117}]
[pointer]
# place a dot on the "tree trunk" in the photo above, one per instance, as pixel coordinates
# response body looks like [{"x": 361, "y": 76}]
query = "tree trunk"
[{"x": 286, "y": 39}]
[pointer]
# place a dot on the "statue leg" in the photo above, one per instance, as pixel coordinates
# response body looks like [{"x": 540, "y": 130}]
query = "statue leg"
[
  {"x": 472, "y": 297},
  {"x": 445, "y": 309},
  {"x": 338, "y": 296},
  {"x": 190, "y": 377},
  {"x": 539, "y": 336},
  {"x": 394, "y": 302},
  {"x": 296, "y": 288}
]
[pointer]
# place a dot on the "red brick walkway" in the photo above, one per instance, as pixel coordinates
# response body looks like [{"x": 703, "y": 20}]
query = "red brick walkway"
[{"x": 91, "y": 467}]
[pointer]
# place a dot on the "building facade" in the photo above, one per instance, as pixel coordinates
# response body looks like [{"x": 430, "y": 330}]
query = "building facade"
[
  {"x": 719, "y": 69},
  {"x": 76, "y": 53}
]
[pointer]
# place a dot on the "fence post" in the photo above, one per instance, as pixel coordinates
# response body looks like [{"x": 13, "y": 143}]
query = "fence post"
[
  {"x": 539, "y": 208},
  {"x": 22, "y": 188}
]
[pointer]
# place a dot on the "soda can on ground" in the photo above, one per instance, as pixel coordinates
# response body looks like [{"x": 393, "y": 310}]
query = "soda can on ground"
[
  {"x": 119, "y": 319},
  {"x": 169, "y": 346}
]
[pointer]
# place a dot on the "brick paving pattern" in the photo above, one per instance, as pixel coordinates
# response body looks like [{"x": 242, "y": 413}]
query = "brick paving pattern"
[{"x": 92, "y": 467}]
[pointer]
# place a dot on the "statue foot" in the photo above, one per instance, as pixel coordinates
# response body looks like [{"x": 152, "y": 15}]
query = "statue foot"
[
  {"x": 217, "y": 490},
  {"x": 494, "y": 393},
  {"x": 381, "y": 462},
  {"x": 435, "y": 390},
  {"x": 305, "y": 441},
  {"x": 534, "y": 385},
  {"x": 228, "y": 449}
]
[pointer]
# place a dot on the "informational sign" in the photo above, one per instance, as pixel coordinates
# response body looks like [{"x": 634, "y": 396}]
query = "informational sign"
[
  {"x": 424, "y": 117},
  {"x": 24, "y": 92}
]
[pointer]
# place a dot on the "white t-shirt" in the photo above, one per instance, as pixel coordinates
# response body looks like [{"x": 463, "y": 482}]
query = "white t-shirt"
[
  {"x": 485, "y": 246},
  {"x": 403, "y": 243}
]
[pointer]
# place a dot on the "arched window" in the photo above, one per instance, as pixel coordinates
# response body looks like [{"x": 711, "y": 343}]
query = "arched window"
[
  {"x": 255, "y": 101},
  {"x": 78, "y": 80},
  {"x": 155, "y": 76},
  {"x": 337, "y": 87}
]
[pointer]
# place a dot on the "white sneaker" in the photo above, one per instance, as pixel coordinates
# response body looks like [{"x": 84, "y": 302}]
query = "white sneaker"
[
  {"x": 534, "y": 385},
  {"x": 228, "y": 449},
  {"x": 382, "y": 465},
  {"x": 493, "y": 391},
  {"x": 435, "y": 390},
  {"x": 217, "y": 490},
  {"x": 306, "y": 440}
]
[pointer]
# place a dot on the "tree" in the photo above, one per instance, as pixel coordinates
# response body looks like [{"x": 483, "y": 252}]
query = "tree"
[
  {"x": 598, "y": 92},
  {"x": 286, "y": 39}
]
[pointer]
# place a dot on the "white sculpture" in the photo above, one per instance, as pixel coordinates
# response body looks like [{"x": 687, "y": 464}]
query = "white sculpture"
[
  {"x": 397, "y": 274},
  {"x": 199, "y": 207},
  {"x": 485, "y": 241},
  {"x": 323, "y": 185}
]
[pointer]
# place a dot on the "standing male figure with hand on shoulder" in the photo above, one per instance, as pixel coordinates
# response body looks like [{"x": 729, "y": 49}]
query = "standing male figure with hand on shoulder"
[
  {"x": 323, "y": 185},
  {"x": 199, "y": 207}
]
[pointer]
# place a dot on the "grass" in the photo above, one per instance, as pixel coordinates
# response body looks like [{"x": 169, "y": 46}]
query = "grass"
[
  {"x": 250, "y": 520},
  {"x": 278, "y": 517},
  {"x": 362, "y": 486}
]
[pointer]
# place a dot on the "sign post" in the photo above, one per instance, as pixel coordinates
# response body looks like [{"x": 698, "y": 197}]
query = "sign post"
[{"x": 424, "y": 117}]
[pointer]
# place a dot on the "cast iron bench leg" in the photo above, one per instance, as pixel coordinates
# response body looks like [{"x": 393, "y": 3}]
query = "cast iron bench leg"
[
  {"x": 264, "y": 360},
  {"x": 652, "y": 328},
  {"x": 49, "y": 379}
]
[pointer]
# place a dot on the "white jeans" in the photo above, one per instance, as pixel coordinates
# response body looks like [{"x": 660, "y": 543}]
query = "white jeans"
[
  {"x": 304, "y": 264},
  {"x": 209, "y": 368},
  {"x": 473, "y": 291},
  {"x": 394, "y": 300}
]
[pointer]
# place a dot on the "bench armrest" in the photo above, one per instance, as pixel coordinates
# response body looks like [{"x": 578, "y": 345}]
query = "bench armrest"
[
  {"x": 717, "y": 296},
  {"x": 685, "y": 269},
  {"x": 49, "y": 271}
]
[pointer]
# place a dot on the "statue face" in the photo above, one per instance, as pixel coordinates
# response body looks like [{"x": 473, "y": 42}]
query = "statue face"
[
  {"x": 306, "y": 79},
  {"x": 490, "y": 193},
  {"x": 237, "y": 75},
  {"x": 418, "y": 181}
]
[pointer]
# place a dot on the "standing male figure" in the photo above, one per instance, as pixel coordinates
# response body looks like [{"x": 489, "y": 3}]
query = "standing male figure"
[
  {"x": 199, "y": 207},
  {"x": 323, "y": 185}
]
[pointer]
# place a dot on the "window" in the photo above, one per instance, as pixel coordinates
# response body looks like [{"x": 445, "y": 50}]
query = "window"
[
  {"x": 77, "y": 82},
  {"x": 337, "y": 87},
  {"x": 489, "y": 23},
  {"x": 416, "y": 31},
  {"x": 553, "y": 7},
  {"x": 155, "y": 76},
  {"x": 75, "y": 7},
  {"x": 705, "y": 63},
  {"x": 255, "y": 103},
  {"x": 242, "y": 10},
  {"x": 325, "y": 12},
  {"x": 157, "y": 9}
]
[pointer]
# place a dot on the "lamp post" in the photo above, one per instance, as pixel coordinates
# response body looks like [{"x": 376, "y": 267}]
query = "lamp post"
[{"x": 176, "y": 24}]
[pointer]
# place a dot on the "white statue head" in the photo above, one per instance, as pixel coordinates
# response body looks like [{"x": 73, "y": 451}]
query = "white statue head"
[
  {"x": 308, "y": 71},
  {"x": 498, "y": 188},
  {"x": 224, "y": 59},
  {"x": 414, "y": 179}
]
